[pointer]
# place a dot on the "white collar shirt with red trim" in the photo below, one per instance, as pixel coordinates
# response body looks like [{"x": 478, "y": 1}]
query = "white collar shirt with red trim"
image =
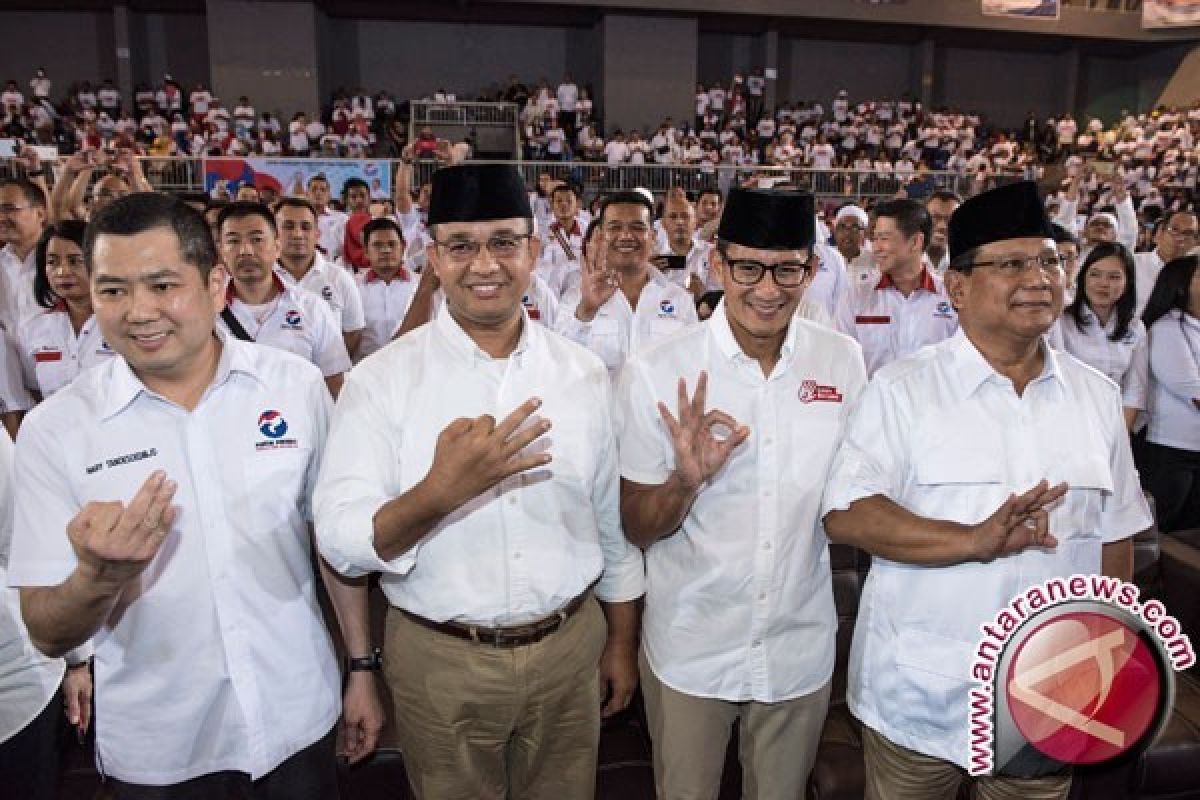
[
  {"x": 335, "y": 285},
  {"x": 295, "y": 320},
  {"x": 217, "y": 657},
  {"x": 559, "y": 264},
  {"x": 739, "y": 602},
  {"x": 889, "y": 325},
  {"x": 384, "y": 305},
  {"x": 52, "y": 353}
]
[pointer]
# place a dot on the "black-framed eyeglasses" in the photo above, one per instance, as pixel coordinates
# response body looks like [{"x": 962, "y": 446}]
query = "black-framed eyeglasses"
[
  {"x": 503, "y": 247},
  {"x": 745, "y": 272},
  {"x": 1015, "y": 265}
]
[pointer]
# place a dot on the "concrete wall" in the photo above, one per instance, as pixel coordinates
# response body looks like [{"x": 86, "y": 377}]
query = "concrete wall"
[
  {"x": 649, "y": 69},
  {"x": 1007, "y": 85},
  {"x": 71, "y": 45},
  {"x": 175, "y": 44},
  {"x": 816, "y": 69}
]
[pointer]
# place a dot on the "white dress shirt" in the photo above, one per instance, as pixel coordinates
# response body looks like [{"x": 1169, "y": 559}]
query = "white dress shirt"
[
  {"x": 739, "y": 601},
  {"x": 297, "y": 321},
  {"x": 560, "y": 265},
  {"x": 28, "y": 679},
  {"x": 945, "y": 436},
  {"x": 1146, "y": 267},
  {"x": 52, "y": 354},
  {"x": 832, "y": 289},
  {"x": 384, "y": 305},
  {"x": 1125, "y": 362},
  {"x": 541, "y": 302},
  {"x": 331, "y": 230},
  {"x": 1174, "y": 420},
  {"x": 335, "y": 285},
  {"x": 889, "y": 325},
  {"x": 618, "y": 330},
  {"x": 516, "y": 553},
  {"x": 17, "y": 275},
  {"x": 216, "y": 658}
]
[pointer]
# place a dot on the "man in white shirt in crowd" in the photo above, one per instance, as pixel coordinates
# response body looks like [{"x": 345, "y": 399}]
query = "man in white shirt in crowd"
[
  {"x": 567, "y": 94},
  {"x": 709, "y": 204},
  {"x": 386, "y": 286},
  {"x": 624, "y": 302},
  {"x": 301, "y": 263},
  {"x": 562, "y": 241},
  {"x": 689, "y": 266},
  {"x": 330, "y": 221},
  {"x": 970, "y": 471},
  {"x": 940, "y": 205},
  {"x": 473, "y": 463},
  {"x": 268, "y": 309},
  {"x": 850, "y": 225},
  {"x": 160, "y": 512},
  {"x": 739, "y": 617},
  {"x": 23, "y": 217},
  {"x": 1175, "y": 234},
  {"x": 907, "y": 308}
]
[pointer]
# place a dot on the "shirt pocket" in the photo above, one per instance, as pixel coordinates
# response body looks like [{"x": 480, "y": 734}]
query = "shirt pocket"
[
  {"x": 961, "y": 486},
  {"x": 275, "y": 490},
  {"x": 933, "y": 673},
  {"x": 53, "y": 375},
  {"x": 1089, "y": 481}
]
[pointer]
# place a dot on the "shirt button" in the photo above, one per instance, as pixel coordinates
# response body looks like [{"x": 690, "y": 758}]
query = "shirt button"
[
  {"x": 766, "y": 545},
  {"x": 516, "y": 556},
  {"x": 512, "y": 501},
  {"x": 758, "y": 642},
  {"x": 762, "y": 595}
]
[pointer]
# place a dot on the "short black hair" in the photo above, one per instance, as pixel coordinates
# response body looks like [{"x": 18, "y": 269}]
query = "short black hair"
[
  {"x": 946, "y": 195},
  {"x": 380, "y": 224},
  {"x": 910, "y": 216},
  {"x": 31, "y": 191},
  {"x": 626, "y": 198},
  {"x": 241, "y": 209},
  {"x": 320, "y": 176},
  {"x": 1171, "y": 289},
  {"x": 564, "y": 187},
  {"x": 296, "y": 202},
  {"x": 146, "y": 211},
  {"x": 72, "y": 230},
  {"x": 354, "y": 183}
]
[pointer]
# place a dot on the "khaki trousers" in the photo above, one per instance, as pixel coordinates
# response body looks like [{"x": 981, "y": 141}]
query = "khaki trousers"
[
  {"x": 777, "y": 742},
  {"x": 897, "y": 773},
  {"x": 477, "y": 722}
]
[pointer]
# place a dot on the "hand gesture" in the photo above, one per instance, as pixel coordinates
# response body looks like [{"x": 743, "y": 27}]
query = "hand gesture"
[
  {"x": 77, "y": 697},
  {"x": 473, "y": 455},
  {"x": 1021, "y": 521},
  {"x": 597, "y": 282},
  {"x": 28, "y": 158},
  {"x": 77, "y": 162},
  {"x": 114, "y": 541},
  {"x": 699, "y": 454},
  {"x": 618, "y": 677}
]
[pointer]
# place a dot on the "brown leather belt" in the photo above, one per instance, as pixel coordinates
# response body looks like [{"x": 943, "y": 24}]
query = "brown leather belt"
[{"x": 516, "y": 636}]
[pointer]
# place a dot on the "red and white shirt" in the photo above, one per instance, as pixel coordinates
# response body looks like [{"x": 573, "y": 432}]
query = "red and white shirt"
[
  {"x": 384, "y": 304},
  {"x": 889, "y": 325},
  {"x": 52, "y": 353}
]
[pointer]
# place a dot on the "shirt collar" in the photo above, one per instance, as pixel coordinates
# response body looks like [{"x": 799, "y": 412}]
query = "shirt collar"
[
  {"x": 722, "y": 333},
  {"x": 463, "y": 346},
  {"x": 574, "y": 230},
  {"x": 370, "y": 276},
  {"x": 971, "y": 370},
  {"x": 885, "y": 281},
  {"x": 123, "y": 386},
  {"x": 276, "y": 278}
]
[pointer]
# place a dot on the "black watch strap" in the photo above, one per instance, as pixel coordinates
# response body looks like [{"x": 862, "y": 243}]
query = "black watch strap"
[{"x": 371, "y": 663}]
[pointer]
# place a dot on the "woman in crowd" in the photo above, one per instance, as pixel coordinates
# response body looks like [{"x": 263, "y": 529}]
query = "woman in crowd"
[
  {"x": 1171, "y": 460},
  {"x": 1099, "y": 328},
  {"x": 56, "y": 344}
]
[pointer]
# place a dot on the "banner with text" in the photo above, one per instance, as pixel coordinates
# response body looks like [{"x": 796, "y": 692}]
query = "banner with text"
[
  {"x": 290, "y": 176},
  {"x": 1170, "y": 13},
  {"x": 1037, "y": 9}
]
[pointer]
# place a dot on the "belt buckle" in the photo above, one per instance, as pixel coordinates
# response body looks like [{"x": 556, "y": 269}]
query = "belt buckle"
[{"x": 500, "y": 638}]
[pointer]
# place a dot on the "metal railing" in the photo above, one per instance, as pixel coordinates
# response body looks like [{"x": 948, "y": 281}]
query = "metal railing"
[
  {"x": 496, "y": 124},
  {"x": 187, "y": 175}
]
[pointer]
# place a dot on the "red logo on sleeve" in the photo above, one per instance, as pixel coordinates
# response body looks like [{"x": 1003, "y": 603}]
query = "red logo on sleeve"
[{"x": 813, "y": 392}]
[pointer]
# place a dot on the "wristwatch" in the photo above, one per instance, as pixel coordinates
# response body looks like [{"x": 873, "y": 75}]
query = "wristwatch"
[{"x": 371, "y": 663}]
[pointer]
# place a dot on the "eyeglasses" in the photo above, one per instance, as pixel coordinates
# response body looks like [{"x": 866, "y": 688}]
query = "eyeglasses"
[
  {"x": 11, "y": 209},
  {"x": 504, "y": 247},
  {"x": 1186, "y": 235},
  {"x": 1015, "y": 265},
  {"x": 786, "y": 273}
]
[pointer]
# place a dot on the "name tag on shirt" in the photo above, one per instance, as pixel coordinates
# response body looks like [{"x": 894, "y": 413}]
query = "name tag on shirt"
[
  {"x": 43, "y": 356},
  {"x": 868, "y": 320},
  {"x": 813, "y": 392}
]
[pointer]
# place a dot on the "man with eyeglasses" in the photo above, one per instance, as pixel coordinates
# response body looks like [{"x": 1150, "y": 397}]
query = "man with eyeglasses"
[
  {"x": 726, "y": 436},
  {"x": 971, "y": 471},
  {"x": 624, "y": 303},
  {"x": 23, "y": 217},
  {"x": 1175, "y": 236},
  {"x": 907, "y": 307},
  {"x": 473, "y": 463}
]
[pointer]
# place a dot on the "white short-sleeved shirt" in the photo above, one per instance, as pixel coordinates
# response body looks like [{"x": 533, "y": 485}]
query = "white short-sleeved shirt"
[
  {"x": 336, "y": 286},
  {"x": 889, "y": 325},
  {"x": 618, "y": 330},
  {"x": 831, "y": 289},
  {"x": 52, "y": 354},
  {"x": 1126, "y": 362},
  {"x": 27, "y": 678},
  {"x": 945, "y": 436},
  {"x": 516, "y": 553},
  {"x": 739, "y": 601},
  {"x": 540, "y": 302},
  {"x": 331, "y": 229},
  {"x": 561, "y": 256},
  {"x": 299, "y": 322},
  {"x": 1146, "y": 267},
  {"x": 696, "y": 263},
  {"x": 19, "y": 303},
  {"x": 384, "y": 305},
  {"x": 1174, "y": 420},
  {"x": 216, "y": 658},
  {"x": 13, "y": 394}
]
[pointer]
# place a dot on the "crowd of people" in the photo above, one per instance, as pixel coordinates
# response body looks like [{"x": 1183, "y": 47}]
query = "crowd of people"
[{"x": 584, "y": 450}]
